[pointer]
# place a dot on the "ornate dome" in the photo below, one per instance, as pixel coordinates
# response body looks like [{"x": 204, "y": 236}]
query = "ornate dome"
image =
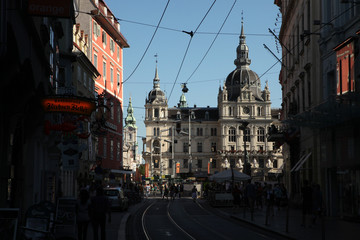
[
  {"x": 242, "y": 77},
  {"x": 156, "y": 93}
]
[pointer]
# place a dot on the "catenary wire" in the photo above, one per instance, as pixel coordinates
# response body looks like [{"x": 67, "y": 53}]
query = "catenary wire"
[
  {"x": 227, "y": 16},
  {"x": 167, "y": 4},
  {"x": 315, "y": 31},
  {"x": 187, "y": 48}
]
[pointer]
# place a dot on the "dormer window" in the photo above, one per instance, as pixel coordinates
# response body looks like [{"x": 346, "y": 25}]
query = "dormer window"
[{"x": 207, "y": 116}]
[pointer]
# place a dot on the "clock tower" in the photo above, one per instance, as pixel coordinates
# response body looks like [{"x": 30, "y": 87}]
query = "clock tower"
[{"x": 130, "y": 156}]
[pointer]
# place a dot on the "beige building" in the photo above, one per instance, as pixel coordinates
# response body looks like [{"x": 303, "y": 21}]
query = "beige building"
[
  {"x": 83, "y": 81},
  {"x": 301, "y": 90},
  {"x": 131, "y": 158},
  {"x": 196, "y": 141}
]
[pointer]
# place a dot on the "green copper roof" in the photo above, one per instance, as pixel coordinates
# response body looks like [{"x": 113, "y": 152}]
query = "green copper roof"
[
  {"x": 183, "y": 101},
  {"x": 130, "y": 120}
]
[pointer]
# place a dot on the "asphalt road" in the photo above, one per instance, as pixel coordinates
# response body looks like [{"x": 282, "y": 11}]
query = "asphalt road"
[{"x": 184, "y": 219}]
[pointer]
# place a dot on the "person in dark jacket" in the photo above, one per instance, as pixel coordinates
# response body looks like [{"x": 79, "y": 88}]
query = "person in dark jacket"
[
  {"x": 307, "y": 201},
  {"x": 100, "y": 206},
  {"x": 82, "y": 214}
]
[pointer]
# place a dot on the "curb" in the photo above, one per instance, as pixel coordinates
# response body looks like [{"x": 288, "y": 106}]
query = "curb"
[
  {"x": 122, "y": 227},
  {"x": 262, "y": 227},
  {"x": 251, "y": 222},
  {"x": 125, "y": 218}
]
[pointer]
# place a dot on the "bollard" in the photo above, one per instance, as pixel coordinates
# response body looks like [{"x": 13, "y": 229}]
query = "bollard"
[
  {"x": 267, "y": 215},
  {"x": 287, "y": 219},
  {"x": 244, "y": 211},
  {"x": 322, "y": 226}
]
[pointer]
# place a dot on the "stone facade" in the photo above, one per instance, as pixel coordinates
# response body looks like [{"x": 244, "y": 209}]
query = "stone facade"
[{"x": 208, "y": 140}]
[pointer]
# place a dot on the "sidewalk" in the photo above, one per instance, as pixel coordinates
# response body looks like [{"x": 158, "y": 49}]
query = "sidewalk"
[{"x": 328, "y": 228}]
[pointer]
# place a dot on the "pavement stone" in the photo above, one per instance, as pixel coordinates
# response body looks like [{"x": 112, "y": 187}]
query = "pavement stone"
[{"x": 288, "y": 222}]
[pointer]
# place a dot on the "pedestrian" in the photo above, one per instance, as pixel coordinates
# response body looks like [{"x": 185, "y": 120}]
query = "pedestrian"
[
  {"x": 181, "y": 190},
  {"x": 259, "y": 196},
  {"x": 269, "y": 196},
  {"x": 161, "y": 190},
  {"x": 82, "y": 214},
  {"x": 166, "y": 193},
  {"x": 284, "y": 198},
  {"x": 278, "y": 195},
  {"x": 175, "y": 191},
  {"x": 147, "y": 190},
  {"x": 194, "y": 193},
  {"x": 317, "y": 202},
  {"x": 250, "y": 195},
  {"x": 307, "y": 202},
  {"x": 171, "y": 189},
  {"x": 236, "y": 196},
  {"x": 100, "y": 206}
]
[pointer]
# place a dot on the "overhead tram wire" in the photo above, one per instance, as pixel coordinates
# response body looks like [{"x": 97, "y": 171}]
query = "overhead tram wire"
[
  {"x": 147, "y": 48},
  {"x": 227, "y": 16},
  {"x": 315, "y": 31},
  {"x": 178, "y": 30},
  {"x": 187, "y": 48}
]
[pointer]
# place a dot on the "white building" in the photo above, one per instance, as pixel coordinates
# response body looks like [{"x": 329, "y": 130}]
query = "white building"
[
  {"x": 130, "y": 150},
  {"x": 207, "y": 140}
]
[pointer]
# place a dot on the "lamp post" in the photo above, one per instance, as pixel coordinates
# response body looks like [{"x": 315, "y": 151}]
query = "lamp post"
[
  {"x": 247, "y": 167},
  {"x": 191, "y": 116}
]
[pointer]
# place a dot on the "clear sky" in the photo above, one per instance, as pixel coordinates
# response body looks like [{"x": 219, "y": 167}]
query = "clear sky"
[{"x": 178, "y": 57}]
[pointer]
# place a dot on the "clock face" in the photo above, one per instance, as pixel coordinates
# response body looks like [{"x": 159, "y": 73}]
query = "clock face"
[{"x": 246, "y": 110}]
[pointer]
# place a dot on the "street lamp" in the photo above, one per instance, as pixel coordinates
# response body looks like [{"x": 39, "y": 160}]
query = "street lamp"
[
  {"x": 247, "y": 166},
  {"x": 172, "y": 150},
  {"x": 191, "y": 115}
]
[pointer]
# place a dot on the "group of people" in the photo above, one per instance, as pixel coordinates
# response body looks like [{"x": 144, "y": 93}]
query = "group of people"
[
  {"x": 312, "y": 202},
  {"x": 92, "y": 207},
  {"x": 166, "y": 190},
  {"x": 255, "y": 195}
]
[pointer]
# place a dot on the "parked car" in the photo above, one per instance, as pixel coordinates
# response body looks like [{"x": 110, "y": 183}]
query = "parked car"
[{"x": 117, "y": 198}]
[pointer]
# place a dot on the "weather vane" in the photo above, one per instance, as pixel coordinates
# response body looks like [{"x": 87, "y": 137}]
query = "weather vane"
[{"x": 156, "y": 56}]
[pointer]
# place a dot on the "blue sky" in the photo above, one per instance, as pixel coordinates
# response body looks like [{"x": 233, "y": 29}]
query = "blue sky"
[{"x": 170, "y": 44}]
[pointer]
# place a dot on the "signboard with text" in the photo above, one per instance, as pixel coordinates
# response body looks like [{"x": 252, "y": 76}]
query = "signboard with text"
[
  {"x": 68, "y": 105},
  {"x": 50, "y": 8}
]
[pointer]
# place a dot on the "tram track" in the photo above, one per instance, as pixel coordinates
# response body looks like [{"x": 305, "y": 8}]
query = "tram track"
[{"x": 170, "y": 218}]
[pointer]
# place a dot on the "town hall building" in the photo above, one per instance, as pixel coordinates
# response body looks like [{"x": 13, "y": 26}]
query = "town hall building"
[{"x": 184, "y": 141}]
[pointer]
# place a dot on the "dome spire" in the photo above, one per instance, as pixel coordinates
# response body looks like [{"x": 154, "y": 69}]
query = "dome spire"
[
  {"x": 156, "y": 79},
  {"x": 130, "y": 119},
  {"x": 242, "y": 51}
]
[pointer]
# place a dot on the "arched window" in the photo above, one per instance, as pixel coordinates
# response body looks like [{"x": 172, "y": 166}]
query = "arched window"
[
  {"x": 232, "y": 134},
  {"x": 261, "y": 135}
]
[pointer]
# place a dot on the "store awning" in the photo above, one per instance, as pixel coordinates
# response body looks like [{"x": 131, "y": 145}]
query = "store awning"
[
  {"x": 299, "y": 164},
  {"x": 121, "y": 171}
]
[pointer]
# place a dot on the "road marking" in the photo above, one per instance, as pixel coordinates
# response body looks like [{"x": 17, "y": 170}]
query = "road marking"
[
  {"x": 143, "y": 221},
  {"x": 173, "y": 221}
]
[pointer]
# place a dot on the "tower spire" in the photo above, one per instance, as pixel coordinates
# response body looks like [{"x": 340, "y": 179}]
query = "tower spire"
[
  {"x": 130, "y": 119},
  {"x": 242, "y": 51},
  {"x": 156, "y": 79}
]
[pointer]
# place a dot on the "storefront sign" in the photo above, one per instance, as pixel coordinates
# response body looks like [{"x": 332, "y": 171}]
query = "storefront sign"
[
  {"x": 50, "y": 8},
  {"x": 68, "y": 105},
  {"x": 177, "y": 167}
]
